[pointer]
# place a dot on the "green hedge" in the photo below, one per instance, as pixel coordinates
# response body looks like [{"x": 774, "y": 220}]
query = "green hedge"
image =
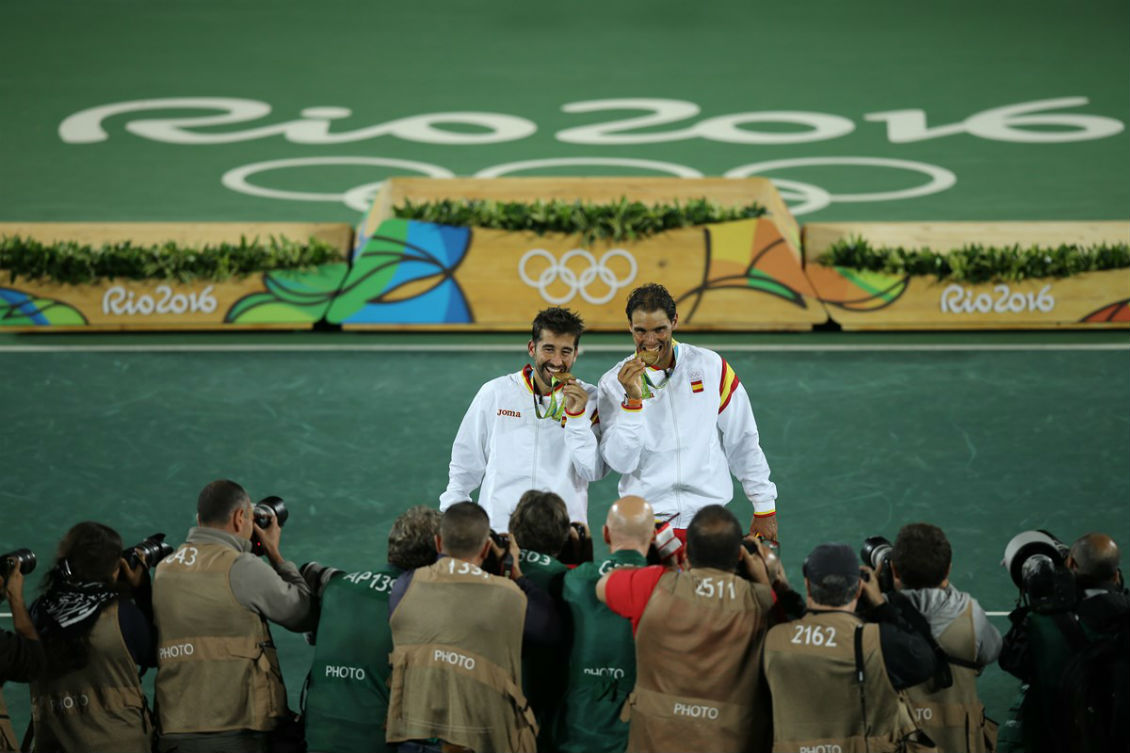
[
  {"x": 620, "y": 220},
  {"x": 76, "y": 263},
  {"x": 976, "y": 263}
]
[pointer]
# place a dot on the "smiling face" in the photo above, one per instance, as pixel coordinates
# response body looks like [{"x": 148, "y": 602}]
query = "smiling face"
[
  {"x": 552, "y": 354},
  {"x": 652, "y": 332}
]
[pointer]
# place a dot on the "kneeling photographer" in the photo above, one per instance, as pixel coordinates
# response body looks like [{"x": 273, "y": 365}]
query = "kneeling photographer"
[
  {"x": 95, "y": 618},
  {"x": 21, "y": 652},
  {"x": 946, "y": 706},
  {"x": 1069, "y": 643}
]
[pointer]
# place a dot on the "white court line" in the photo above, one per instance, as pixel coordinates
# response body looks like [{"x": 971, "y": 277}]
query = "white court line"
[{"x": 498, "y": 348}]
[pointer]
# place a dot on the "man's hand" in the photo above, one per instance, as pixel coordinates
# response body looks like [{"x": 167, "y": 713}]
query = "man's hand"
[
  {"x": 772, "y": 562},
  {"x": 754, "y": 566},
  {"x": 764, "y": 526},
  {"x": 515, "y": 554},
  {"x": 14, "y": 589},
  {"x": 575, "y": 397},
  {"x": 870, "y": 593},
  {"x": 134, "y": 575},
  {"x": 270, "y": 537},
  {"x": 631, "y": 378},
  {"x": 14, "y": 583}
]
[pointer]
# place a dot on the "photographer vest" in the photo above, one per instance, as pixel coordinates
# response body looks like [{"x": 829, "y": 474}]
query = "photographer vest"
[
  {"x": 456, "y": 661},
  {"x": 697, "y": 649},
  {"x": 217, "y": 670},
  {"x": 347, "y": 690},
  {"x": 954, "y": 717},
  {"x": 100, "y": 707},
  {"x": 810, "y": 665},
  {"x": 602, "y": 663},
  {"x": 8, "y": 739}
]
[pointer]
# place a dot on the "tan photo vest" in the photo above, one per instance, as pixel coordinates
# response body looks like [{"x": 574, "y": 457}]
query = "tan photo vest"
[
  {"x": 100, "y": 707},
  {"x": 217, "y": 669},
  {"x": 457, "y": 661},
  {"x": 697, "y": 664},
  {"x": 817, "y": 700},
  {"x": 954, "y": 717}
]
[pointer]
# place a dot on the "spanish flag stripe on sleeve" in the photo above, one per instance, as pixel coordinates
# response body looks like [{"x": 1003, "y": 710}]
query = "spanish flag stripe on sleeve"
[{"x": 727, "y": 385}]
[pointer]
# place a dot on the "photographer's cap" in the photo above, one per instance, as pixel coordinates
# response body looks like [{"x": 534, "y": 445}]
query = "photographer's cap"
[{"x": 831, "y": 559}]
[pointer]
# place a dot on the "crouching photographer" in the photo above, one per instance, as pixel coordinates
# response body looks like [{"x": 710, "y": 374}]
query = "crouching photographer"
[
  {"x": 21, "y": 652},
  {"x": 346, "y": 699},
  {"x": 1069, "y": 643},
  {"x": 219, "y": 685},
  {"x": 946, "y": 706},
  {"x": 95, "y": 618}
]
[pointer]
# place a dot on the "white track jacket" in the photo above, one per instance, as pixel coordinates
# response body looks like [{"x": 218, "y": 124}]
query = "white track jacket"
[
  {"x": 679, "y": 449},
  {"x": 504, "y": 450}
]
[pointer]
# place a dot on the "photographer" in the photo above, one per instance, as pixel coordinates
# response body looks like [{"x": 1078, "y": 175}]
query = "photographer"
[
  {"x": 219, "y": 685},
  {"x": 540, "y": 526},
  {"x": 21, "y": 652},
  {"x": 95, "y": 618},
  {"x": 602, "y": 657},
  {"x": 698, "y": 637},
  {"x": 947, "y": 706},
  {"x": 1070, "y": 645},
  {"x": 457, "y": 633},
  {"x": 347, "y": 689},
  {"x": 834, "y": 680}
]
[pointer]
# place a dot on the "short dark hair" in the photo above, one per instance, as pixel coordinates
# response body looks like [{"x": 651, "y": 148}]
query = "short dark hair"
[
  {"x": 540, "y": 522},
  {"x": 412, "y": 542},
  {"x": 464, "y": 528},
  {"x": 651, "y": 297},
  {"x": 218, "y": 500},
  {"x": 833, "y": 590},
  {"x": 921, "y": 555},
  {"x": 714, "y": 538},
  {"x": 558, "y": 321}
]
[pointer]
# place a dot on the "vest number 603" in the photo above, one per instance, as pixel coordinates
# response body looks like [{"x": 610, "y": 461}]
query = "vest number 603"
[{"x": 814, "y": 635}]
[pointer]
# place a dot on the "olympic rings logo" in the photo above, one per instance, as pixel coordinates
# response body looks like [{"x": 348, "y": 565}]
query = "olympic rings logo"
[{"x": 559, "y": 273}]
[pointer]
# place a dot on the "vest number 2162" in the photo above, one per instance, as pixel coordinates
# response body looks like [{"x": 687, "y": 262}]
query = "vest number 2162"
[{"x": 814, "y": 635}]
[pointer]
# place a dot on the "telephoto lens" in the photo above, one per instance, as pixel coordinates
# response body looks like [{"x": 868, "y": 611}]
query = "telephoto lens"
[
  {"x": 154, "y": 548},
  {"x": 263, "y": 510},
  {"x": 24, "y": 560}
]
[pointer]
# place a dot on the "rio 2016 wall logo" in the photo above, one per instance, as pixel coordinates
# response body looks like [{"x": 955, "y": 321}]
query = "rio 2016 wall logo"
[{"x": 1035, "y": 122}]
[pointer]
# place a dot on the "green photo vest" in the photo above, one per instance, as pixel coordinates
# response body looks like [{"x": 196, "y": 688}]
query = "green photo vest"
[{"x": 347, "y": 690}]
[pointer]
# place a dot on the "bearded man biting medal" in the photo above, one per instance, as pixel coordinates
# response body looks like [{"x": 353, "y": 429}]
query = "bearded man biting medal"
[
  {"x": 536, "y": 428},
  {"x": 677, "y": 422}
]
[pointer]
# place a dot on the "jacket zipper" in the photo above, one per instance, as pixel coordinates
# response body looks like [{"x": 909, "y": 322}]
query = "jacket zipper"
[{"x": 678, "y": 454}]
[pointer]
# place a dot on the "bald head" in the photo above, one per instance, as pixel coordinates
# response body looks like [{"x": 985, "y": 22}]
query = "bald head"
[
  {"x": 1095, "y": 557},
  {"x": 630, "y": 524}
]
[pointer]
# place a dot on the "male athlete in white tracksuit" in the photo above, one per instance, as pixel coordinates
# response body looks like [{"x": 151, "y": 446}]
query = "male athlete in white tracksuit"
[
  {"x": 676, "y": 430},
  {"x": 529, "y": 430}
]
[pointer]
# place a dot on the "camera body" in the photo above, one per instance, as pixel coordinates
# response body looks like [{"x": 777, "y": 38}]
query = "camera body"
[
  {"x": 876, "y": 554},
  {"x": 263, "y": 514},
  {"x": 25, "y": 561},
  {"x": 1036, "y": 561},
  {"x": 154, "y": 548}
]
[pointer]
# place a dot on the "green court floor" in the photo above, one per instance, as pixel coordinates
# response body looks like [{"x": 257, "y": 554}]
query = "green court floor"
[{"x": 985, "y": 436}]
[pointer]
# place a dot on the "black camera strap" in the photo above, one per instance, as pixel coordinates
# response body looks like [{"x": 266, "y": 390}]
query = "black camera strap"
[{"x": 860, "y": 680}]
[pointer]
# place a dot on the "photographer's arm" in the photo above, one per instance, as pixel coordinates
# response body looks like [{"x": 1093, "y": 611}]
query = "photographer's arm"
[
  {"x": 279, "y": 593},
  {"x": 21, "y": 653}
]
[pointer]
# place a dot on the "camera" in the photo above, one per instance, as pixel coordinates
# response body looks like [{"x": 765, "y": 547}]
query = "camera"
[
  {"x": 496, "y": 565},
  {"x": 876, "y": 554},
  {"x": 25, "y": 561},
  {"x": 1036, "y": 562},
  {"x": 666, "y": 547},
  {"x": 154, "y": 548},
  {"x": 262, "y": 516}
]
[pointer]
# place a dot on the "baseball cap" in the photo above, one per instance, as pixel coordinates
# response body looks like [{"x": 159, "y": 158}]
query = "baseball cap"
[{"x": 831, "y": 559}]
